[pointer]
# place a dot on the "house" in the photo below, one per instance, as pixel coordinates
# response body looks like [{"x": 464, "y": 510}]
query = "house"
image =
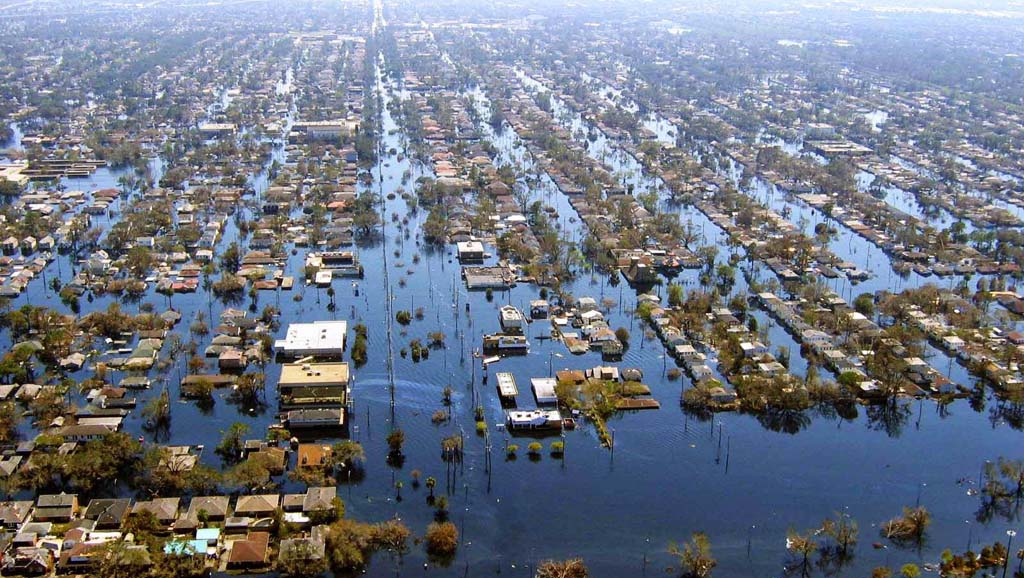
[
  {"x": 10, "y": 244},
  {"x": 539, "y": 309},
  {"x": 55, "y": 508},
  {"x": 753, "y": 349},
  {"x": 544, "y": 390},
  {"x": 771, "y": 368},
  {"x": 534, "y": 419},
  {"x": 687, "y": 352},
  {"x": 815, "y": 337},
  {"x": 952, "y": 343},
  {"x": 311, "y": 547},
  {"x": 314, "y": 455},
  {"x": 214, "y": 507},
  {"x": 511, "y": 319},
  {"x": 603, "y": 373},
  {"x": 700, "y": 371},
  {"x": 29, "y": 561},
  {"x": 216, "y": 129},
  {"x": 318, "y": 499},
  {"x": 84, "y": 433},
  {"x": 721, "y": 395},
  {"x": 257, "y": 506},
  {"x": 319, "y": 338},
  {"x": 250, "y": 552},
  {"x": 165, "y": 510},
  {"x": 573, "y": 376},
  {"x": 109, "y": 514},
  {"x": 79, "y": 557},
  {"x": 14, "y": 514},
  {"x": 328, "y": 130},
  {"x": 470, "y": 251},
  {"x": 231, "y": 358}
]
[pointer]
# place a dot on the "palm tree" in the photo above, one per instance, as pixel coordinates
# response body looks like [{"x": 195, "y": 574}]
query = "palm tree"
[{"x": 430, "y": 483}]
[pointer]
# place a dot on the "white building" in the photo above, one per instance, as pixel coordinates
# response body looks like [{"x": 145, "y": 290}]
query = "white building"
[
  {"x": 544, "y": 390},
  {"x": 319, "y": 338}
]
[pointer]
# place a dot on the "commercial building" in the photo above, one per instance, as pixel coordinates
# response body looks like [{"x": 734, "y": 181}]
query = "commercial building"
[
  {"x": 314, "y": 385},
  {"x": 318, "y": 339}
]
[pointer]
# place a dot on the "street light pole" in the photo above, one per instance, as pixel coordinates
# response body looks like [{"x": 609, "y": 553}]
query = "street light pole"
[{"x": 1009, "y": 543}]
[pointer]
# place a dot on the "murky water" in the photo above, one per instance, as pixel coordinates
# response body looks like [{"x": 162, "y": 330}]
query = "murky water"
[{"x": 741, "y": 479}]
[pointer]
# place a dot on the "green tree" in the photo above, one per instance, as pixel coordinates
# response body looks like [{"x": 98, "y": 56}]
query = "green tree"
[{"x": 230, "y": 446}]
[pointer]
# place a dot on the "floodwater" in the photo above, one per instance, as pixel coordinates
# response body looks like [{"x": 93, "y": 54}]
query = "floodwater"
[{"x": 742, "y": 479}]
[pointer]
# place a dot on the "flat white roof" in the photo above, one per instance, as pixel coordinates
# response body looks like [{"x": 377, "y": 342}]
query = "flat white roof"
[
  {"x": 544, "y": 389},
  {"x": 316, "y": 338},
  {"x": 464, "y": 246}
]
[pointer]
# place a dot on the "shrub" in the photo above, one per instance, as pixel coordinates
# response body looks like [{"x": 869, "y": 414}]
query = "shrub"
[
  {"x": 909, "y": 527},
  {"x": 359, "y": 350},
  {"x": 442, "y": 539}
]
